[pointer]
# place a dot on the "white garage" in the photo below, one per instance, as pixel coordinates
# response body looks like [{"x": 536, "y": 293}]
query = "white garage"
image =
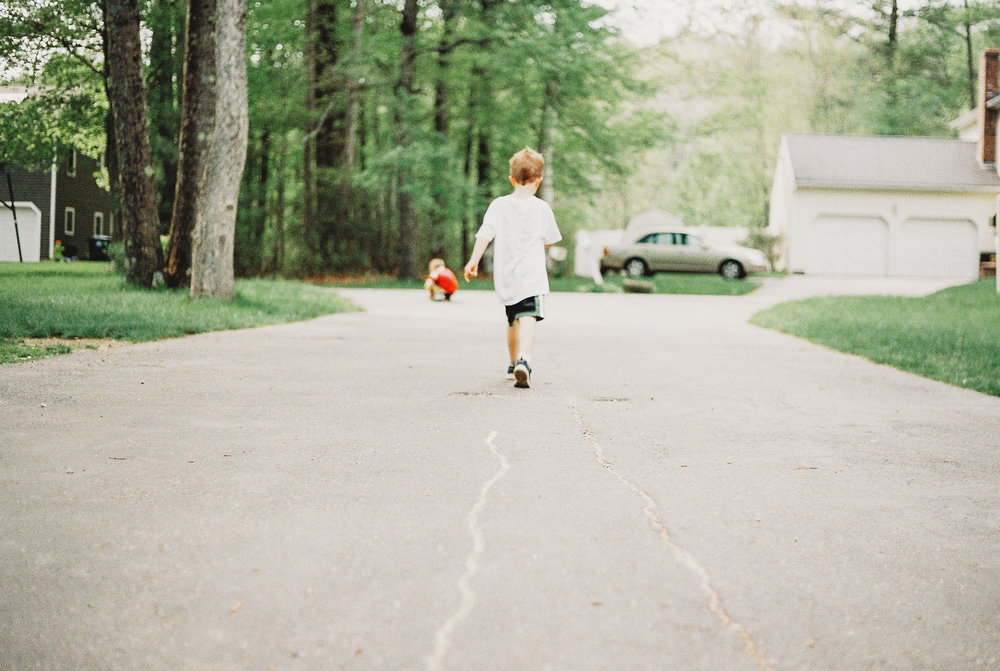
[
  {"x": 900, "y": 206},
  {"x": 29, "y": 231},
  {"x": 844, "y": 245},
  {"x": 940, "y": 247}
]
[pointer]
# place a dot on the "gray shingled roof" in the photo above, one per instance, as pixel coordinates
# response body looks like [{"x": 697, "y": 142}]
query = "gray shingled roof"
[{"x": 896, "y": 163}]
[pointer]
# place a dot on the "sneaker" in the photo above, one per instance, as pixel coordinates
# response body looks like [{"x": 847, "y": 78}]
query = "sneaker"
[
  {"x": 522, "y": 374},
  {"x": 510, "y": 371}
]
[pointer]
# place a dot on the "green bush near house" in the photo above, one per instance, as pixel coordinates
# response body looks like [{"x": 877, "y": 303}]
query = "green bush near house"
[
  {"x": 952, "y": 336},
  {"x": 87, "y": 300},
  {"x": 116, "y": 252}
]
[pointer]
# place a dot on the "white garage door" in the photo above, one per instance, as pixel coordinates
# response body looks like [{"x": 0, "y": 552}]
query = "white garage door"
[
  {"x": 29, "y": 229},
  {"x": 936, "y": 248},
  {"x": 839, "y": 245}
]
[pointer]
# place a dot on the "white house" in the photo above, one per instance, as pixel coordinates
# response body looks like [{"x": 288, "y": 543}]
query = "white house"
[{"x": 901, "y": 206}]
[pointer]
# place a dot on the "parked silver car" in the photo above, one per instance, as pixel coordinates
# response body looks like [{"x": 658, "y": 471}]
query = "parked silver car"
[{"x": 679, "y": 251}]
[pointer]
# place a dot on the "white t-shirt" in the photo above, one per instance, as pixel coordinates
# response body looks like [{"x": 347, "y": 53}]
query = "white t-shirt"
[{"x": 520, "y": 228}]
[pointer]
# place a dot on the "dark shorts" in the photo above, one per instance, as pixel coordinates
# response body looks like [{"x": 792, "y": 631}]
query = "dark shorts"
[{"x": 528, "y": 307}]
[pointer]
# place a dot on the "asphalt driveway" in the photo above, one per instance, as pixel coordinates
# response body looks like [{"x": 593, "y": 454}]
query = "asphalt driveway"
[{"x": 678, "y": 490}]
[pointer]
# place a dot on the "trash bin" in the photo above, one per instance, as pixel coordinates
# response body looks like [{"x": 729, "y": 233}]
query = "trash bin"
[{"x": 98, "y": 246}]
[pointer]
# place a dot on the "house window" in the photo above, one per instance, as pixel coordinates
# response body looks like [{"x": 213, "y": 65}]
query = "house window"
[
  {"x": 99, "y": 223},
  {"x": 71, "y": 163},
  {"x": 69, "y": 221}
]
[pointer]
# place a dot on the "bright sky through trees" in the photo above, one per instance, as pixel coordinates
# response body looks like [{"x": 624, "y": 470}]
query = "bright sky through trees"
[{"x": 644, "y": 22}]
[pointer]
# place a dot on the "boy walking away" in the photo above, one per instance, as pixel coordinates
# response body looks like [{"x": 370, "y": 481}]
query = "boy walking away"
[
  {"x": 441, "y": 282},
  {"x": 521, "y": 226}
]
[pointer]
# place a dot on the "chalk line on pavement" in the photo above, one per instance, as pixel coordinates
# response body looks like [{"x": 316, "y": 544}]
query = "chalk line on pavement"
[
  {"x": 680, "y": 555},
  {"x": 443, "y": 638}
]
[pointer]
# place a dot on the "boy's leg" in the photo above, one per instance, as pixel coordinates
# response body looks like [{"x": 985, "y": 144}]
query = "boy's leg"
[
  {"x": 525, "y": 337},
  {"x": 521, "y": 337},
  {"x": 512, "y": 341}
]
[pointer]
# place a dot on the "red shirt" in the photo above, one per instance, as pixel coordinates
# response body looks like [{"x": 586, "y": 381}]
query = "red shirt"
[{"x": 445, "y": 279}]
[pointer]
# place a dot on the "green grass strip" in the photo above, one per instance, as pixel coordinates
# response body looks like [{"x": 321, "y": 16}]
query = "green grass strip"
[
  {"x": 952, "y": 336},
  {"x": 87, "y": 300}
]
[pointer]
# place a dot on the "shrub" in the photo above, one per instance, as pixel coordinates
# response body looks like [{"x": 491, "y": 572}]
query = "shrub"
[
  {"x": 769, "y": 243},
  {"x": 116, "y": 252}
]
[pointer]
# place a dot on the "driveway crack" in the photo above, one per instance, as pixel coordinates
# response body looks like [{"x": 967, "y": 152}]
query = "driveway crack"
[
  {"x": 679, "y": 554},
  {"x": 442, "y": 640}
]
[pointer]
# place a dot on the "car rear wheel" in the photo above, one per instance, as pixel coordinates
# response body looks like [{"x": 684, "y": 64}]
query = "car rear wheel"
[
  {"x": 636, "y": 268},
  {"x": 731, "y": 270}
]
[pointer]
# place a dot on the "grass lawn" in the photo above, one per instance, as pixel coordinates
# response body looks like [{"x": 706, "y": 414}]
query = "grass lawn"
[
  {"x": 85, "y": 300},
  {"x": 665, "y": 283},
  {"x": 952, "y": 336}
]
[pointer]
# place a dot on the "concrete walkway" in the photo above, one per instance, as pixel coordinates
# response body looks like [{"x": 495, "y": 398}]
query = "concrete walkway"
[{"x": 678, "y": 490}]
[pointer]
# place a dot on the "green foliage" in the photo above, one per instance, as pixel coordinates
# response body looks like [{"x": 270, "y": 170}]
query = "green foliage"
[
  {"x": 116, "y": 252},
  {"x": 769, "y": 243},
  {"x": 950, "y": 336},
  {"x": 54, "y": 48},
  {"x": 504, "y": 69},
  {"x": 691, "y": 125}
]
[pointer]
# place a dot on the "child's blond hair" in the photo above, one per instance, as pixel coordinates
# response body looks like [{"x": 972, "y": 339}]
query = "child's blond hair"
[
  {"x": 435, "y": 264},
  {"x": 526, "y": 166}
]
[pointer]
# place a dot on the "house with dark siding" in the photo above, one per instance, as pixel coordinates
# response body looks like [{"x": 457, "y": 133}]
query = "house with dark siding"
[{"x": 62, "y": 203}]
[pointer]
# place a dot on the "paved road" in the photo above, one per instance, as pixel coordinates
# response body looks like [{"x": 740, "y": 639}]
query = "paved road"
[{"x": 679, "y": 490}]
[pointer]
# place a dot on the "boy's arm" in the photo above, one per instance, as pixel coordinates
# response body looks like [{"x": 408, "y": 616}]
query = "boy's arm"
[{"x": 472, "y": 267}]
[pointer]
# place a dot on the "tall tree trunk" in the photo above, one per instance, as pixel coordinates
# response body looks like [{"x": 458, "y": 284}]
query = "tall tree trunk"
[
  {"x": 260, "y": 215},
  {"x": 114, "y": 175},
  {"x": 353, "y": 115},
  {"x": 893, "y": 23},
  {"x": 338, "y": 240},
  {"x": 162, "y": 110},
  {"x": 482, "y": 96},
  {"x": 969, "y": 57},
  {"x": 477, "y": 151},
  {"x": 215, "y": 228},
  {"x": 197, "y": 120},
  {"x": 469, "y": 214},
  {"x": 483, "y": 166},
  {"x": 408, "y": 236},
  {"x": 308, "y": 150},
  {"x": 441, "y": 102},
  {"x": 439, "y": 217},
  {"x": 111, "y": 149},
  {"x": 278, "y": 257},
  {"x": 143, "y": 254},
  {"x": 329, "y": 136},
  {"x": 545, "y": 144}
]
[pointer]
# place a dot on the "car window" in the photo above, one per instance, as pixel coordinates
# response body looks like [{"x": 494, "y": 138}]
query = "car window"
[
  {"x": 648, "y": 238},
  {"x": 693, "y": 240}
]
